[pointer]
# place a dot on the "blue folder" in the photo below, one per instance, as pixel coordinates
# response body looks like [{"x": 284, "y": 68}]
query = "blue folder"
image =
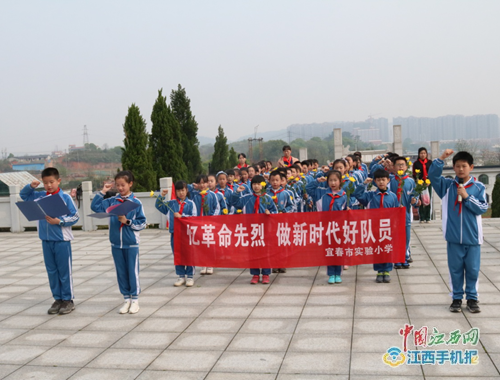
[
  {"x": 51, "y": 205},
  {"x": 116, "y": 210}
]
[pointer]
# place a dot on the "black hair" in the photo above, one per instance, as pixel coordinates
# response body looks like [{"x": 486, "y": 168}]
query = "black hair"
[
  {"x": 399, "y": 158},
  {"x": 422, "y": 149},
  {"x": 231, "y": 172},
  {"x": 463, "y": 156},
  {"x": 201, "y": 177},
  {"x": 306, "y": 162},
  {"x": 286, "y": 147},
  {"x": 269, "y": 162},
  {"x": 340, "y": 161},
  {"x": 126, "y": 175},
  {"x": 314, "y": 161},
  {"x": 277, "y": 172},
  {"x": 212, "y": 175},
  {"x": 179, "y": 185},
  {"x": 243, "y": 170},
  {"x": 296, "y": 167},
  {"x": 381, "y": 173},
  {"x": 219, "y": 174},
  {"x": 358, "y": 154},
  {"x": 335, "y": 173},
  {"x": 258, "y": 179},
  {"x": 242, "y": 155},
  {"x": 256, "y": 168},
  {"x": 50, "y": 172}
]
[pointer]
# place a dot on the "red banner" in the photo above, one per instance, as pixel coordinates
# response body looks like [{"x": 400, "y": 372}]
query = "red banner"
[{"x": 291, "y": 240}]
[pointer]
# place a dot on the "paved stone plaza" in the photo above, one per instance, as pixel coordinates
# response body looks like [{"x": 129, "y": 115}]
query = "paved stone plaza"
[{"x": 298, "y": 327}]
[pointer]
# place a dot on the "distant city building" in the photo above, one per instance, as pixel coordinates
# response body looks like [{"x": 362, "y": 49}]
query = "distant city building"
[
  {"x": 451, "y": 127},
  {"x": 73, "y": 148},
  {"x": 368, "y": 130}
]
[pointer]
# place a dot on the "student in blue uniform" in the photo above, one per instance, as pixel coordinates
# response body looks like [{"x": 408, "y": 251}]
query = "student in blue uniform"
[
  {"x": 56, "y": 237},
  {"x": 178, "y": 208},
  {"x": 463, "y": 202},
  {"x": 205, "y": 200},
  {"x": 124, "y": 238},
  {"x": 403, "y": 186},
  {"x": 280, "y": 196},
  {"x": 381, "y": 198},
  {"x": 257, "y": 202},
  {"x": 330, "y": 198}
]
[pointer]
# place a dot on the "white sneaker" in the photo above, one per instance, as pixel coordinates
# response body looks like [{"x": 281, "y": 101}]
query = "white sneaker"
[
  {"x": 134, "y": 307},
  {"x": 189, "y": 282},
  {"x": 180, "y": 281},
  {"x": 203, "y": 271},
  {"x": 210, "y": 270},
  {"x": 126, "y": 306}
]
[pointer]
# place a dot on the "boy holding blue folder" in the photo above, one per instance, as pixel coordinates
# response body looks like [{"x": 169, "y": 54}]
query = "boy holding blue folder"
[{"x": 56, "y": 237}]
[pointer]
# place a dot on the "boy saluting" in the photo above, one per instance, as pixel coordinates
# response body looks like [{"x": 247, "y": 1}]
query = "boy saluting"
[{"x": 464, "y": 202}]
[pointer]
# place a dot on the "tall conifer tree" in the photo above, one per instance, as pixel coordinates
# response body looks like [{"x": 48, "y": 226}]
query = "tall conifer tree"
[
  {"x": 221, "y": 152},
  {"x": 165, "y": 142},
  {"x": 136, "y": 155},
  {"x": 232, "y": 160},
  {"x": 181, "y": 108}
]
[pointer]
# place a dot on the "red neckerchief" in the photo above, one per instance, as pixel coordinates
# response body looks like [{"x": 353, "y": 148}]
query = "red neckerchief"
[
  {"x": 120, "y": 200},
  {"x": 400, "y": 187},
  {"x": 55, "y": 192},
  {"x": 257, "y": 203},
  {"x": 202, "y": 202},
  {"x": 424, "y": 168},
  {"x": 333, "y": 196},
  {"x": 244, "y": 166},
  {"x": 288, "y": 161},
  {"x": 276, "y": 194},
  {"x": 181, "y": 206},
  {"x": 382, "y": 194},
  {"x": 221, "y": 190},
  {"x": 230, "y": 185},
  {"x": 460, "y": 203}
]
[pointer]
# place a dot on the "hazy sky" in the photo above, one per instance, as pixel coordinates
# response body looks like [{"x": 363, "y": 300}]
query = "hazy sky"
[{"x": 66, "y": 64}]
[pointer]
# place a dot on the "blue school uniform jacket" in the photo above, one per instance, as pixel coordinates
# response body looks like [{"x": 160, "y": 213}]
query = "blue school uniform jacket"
[
  {"x": 170, "y": 207},
  {"x": 210, "y": 205},
  {"x": 460, "y": 225},
  {"x": 121, "y": 235},
  {"x": 285, "y": 203},
  {"x": 320, "y": 194},
  {"x": 407, "y": 194},
  {"x": 53, "y": 232},
  {"x": 246, "y": 203},
  {"x": 226, "y": 194},
  {"x": 371, "y": 199}
]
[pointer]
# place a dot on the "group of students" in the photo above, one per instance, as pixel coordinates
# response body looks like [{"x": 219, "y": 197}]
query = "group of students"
[{"x": 294, "y": 187}]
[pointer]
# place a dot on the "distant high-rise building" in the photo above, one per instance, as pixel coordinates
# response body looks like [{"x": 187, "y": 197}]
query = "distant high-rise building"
[{"x": 450, "y": 127}]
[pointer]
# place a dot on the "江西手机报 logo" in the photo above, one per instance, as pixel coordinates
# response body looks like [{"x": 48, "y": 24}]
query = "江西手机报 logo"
[{"x": 427, "y": 352}]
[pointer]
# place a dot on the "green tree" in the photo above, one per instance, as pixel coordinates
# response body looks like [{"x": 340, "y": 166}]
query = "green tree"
[
  {"x": 221, "y": 152},
  {"x": 181, "y": 108},
  {"x": 136, "y": 155},
  {"x": 495, "y": 200},
  {"x": 164, "y": 141},
  {"x": 232, "y": 160}
]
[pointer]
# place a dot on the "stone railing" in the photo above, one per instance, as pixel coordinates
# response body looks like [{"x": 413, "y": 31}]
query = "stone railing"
[{"x": 11, "y": 217}]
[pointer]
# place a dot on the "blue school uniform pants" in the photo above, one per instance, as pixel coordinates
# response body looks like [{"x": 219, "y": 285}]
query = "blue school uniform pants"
[
  {"x": 181, "y": 270},
  {"x": 463, "y": 263},
  {"x": 258, "y": 271},
  {"x": 408, "y": 237},
  {"x": 58, "y": 260},
  {"x": 127, "y": 271},
  {"x": 384, "y": 267},
  {"x": 334, "y": 270}
]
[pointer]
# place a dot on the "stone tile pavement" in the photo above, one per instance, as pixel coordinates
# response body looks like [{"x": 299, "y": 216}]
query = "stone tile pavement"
[{"x": 298, "y": 327}]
